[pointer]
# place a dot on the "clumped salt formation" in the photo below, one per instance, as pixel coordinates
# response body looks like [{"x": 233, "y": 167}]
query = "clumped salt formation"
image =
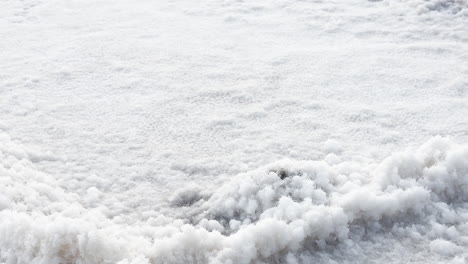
[{"x": 321, "y": 212}]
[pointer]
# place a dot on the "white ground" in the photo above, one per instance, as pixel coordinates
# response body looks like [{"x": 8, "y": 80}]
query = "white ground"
[{"x": 137, "y": 131}]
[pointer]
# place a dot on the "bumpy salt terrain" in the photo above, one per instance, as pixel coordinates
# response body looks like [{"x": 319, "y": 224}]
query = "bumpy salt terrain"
[{"x": 230, "y": 131}]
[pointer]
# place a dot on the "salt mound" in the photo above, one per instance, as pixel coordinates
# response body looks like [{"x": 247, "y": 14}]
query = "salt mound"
[{"x": 286, "y": 212}]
